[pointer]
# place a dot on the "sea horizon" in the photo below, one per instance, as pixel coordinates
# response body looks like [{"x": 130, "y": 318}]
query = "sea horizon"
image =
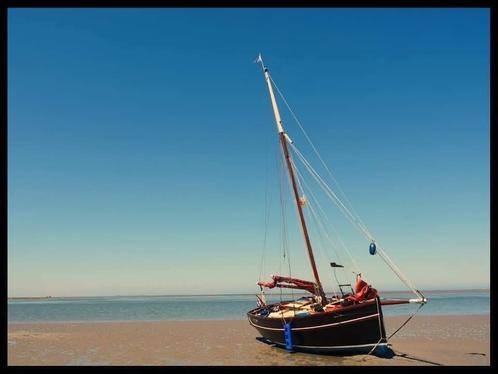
[
  {"x": 214, "y": 307},
  {"x": 232, "y": 294}
]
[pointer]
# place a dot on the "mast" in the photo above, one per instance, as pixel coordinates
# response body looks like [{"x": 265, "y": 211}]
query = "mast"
[{"x": 284, "y": 138}]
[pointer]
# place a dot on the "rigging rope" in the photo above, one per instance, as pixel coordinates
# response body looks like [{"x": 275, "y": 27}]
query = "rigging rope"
[
  {"x": 319, "y": 221},
  {"x": 330, "y": 193},
  {"x": 353, "y": 261},
  {"x": 350, "y": 213},
  {"x": 285, "y": 247},
  {"x": 267, "y": 219},
  {"x": 283, "y": 230},
  {"x": 316, "y": 220},
  {"x": 315, "y": 149},
  {"x": 299, "y": 177},
  {"x": 397, "y": 271}
]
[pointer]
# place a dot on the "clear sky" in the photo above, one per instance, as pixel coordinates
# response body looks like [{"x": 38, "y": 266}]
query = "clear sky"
[{"x": 141, "y": 143}]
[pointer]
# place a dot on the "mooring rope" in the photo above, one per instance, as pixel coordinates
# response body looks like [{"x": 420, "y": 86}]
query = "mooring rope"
[{"x": 399, "y": 328}]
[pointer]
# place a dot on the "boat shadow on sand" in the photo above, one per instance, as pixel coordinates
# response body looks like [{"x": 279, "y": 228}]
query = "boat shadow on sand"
[
  {"x": 381, "y": 351},
  {"x": 385, "y": 352}
]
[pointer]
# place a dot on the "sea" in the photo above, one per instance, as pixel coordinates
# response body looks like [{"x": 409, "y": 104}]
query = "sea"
[{"x": 212, "y": 307}]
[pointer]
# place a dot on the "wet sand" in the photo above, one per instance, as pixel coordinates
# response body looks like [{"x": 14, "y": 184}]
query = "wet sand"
[{"x": 425, "y": 340}]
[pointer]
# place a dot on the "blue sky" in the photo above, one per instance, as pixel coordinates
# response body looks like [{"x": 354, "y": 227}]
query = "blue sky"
[{"x": 141, "y": 144}]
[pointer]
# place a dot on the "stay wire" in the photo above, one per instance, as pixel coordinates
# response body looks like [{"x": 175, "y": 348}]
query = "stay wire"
[
  {"x": 308, "y": 209},
  {"x": 355, "y": 222},
  {"x": 353, "y": 261},
  {"x": 317, "y": 153},
  {"x": 268, "y": 202}
]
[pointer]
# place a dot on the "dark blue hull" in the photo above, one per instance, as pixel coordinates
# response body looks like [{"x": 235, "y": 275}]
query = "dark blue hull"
[{"x": 357, "y": 328}]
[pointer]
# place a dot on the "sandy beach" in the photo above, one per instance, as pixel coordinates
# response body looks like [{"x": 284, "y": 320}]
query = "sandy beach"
[{"x": 426, "y": 340}]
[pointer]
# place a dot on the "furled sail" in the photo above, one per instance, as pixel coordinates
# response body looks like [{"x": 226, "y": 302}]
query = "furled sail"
[{"x": 288, "y": 282}]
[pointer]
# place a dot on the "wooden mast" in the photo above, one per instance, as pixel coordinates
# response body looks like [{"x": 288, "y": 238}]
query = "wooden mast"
[{"x": 283, "y": 142}]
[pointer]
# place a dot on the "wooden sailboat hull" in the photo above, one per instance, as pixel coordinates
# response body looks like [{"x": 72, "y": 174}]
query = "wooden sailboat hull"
[{"x": 357, "y": 328}]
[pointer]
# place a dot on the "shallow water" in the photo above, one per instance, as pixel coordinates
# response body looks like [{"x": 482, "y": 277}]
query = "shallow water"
[{"x": 151, "y": 308}]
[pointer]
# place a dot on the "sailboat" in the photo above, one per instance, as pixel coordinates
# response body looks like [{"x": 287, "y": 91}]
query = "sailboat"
[{"x": 348, "y": 321}]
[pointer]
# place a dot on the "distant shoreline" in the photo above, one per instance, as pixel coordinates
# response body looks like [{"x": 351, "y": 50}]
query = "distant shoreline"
[{"x": 226, "y": 294}]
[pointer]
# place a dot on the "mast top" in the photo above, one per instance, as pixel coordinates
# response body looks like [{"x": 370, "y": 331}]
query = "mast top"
[
  {"x": 260, "y": 60},
  {"x": 278, "y": 120}
]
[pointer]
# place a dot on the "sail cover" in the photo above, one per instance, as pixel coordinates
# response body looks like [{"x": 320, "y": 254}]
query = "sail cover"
[
  {"x": 363, "y": 291},
  {"x": 288, "y": 282}
]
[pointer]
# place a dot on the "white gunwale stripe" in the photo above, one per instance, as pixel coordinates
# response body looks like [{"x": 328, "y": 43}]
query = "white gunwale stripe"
[{"x": 317, "y": 327}]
